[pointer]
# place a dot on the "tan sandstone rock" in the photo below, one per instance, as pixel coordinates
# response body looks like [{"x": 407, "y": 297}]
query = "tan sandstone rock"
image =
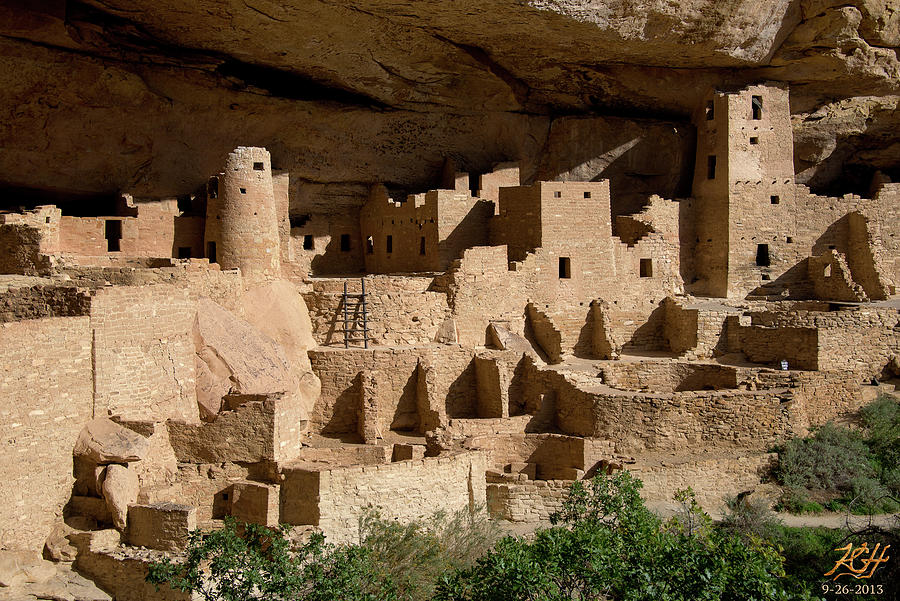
[
  {"x": 237, "y": 359},
  {"x": 104, "y": 441},
  {"x": 120, "y": 489}
]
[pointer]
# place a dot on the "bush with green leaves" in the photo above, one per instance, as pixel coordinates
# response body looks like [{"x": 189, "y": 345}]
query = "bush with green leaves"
[
  {"x": 854, "y": 469},
  {"x": 248, "y": 562},
  {"x": 606, "y": 544}
]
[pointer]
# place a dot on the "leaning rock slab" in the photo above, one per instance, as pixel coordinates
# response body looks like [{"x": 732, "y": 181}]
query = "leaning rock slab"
[
  {"x": 104, "y": 441},
  {"x": 120, "y": 489}
]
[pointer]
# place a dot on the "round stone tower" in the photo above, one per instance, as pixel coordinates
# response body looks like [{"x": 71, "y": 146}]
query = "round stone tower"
[{"x": 241, "y": 217}]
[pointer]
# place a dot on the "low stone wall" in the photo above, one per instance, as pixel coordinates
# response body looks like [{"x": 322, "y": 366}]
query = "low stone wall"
[
  {"x": 669, "y": 376},
  {"x": 335, "y": 499},
  {"x": 527, "y": 501},
  {"x": 712, "y": 479},
  {"x": 259, "y": 430}
]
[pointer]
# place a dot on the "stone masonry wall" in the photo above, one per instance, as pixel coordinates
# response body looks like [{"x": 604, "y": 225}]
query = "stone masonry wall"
[
  {"x": 401, "y": 310},
  {"x": 453, "y": 394},
  {"x": 47, "y": 397},
  {"x": 144, "y": 352},
  {"x": 404, "y": 490}
]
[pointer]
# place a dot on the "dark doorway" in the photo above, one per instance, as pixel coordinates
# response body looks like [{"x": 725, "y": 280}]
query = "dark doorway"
[
  {"x": 113, "y": 235},
  {"x": 565, "y": 268},
  {"x": 211, "y": 251},
  {"x": 762, "y": 255}
]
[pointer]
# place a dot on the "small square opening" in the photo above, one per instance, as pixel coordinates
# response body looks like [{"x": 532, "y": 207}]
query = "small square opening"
[
  {"x": 774, "y": 199},
  {"x": 258, "y": 166},
  {"x": 389, "y": 244},
  {"x": 762, "y": 255},
  {"x": 587, "y": 194},
  {"x": 565, "y": 268},
  {"x": 788, "y": 239},
  {"x": 422, "y": 245},
  {"x": 754, "y": 140},
  {"x": 243, "y": 190},
  {"x": 184, "y": 252},
  {"x": 307, "y": 242},
  {"x": 646, "y": 268},
  {"x": 711, "y": 167},
  {"x": 557, "y": 194},
  {"x": 345, "y": 243}
]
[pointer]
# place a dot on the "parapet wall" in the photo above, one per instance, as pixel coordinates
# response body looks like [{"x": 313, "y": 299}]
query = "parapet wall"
[{"x": 404, "y": 490}]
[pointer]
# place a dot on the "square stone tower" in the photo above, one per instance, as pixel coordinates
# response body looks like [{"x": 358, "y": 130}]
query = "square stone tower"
[{"x": 744, "y": 138}]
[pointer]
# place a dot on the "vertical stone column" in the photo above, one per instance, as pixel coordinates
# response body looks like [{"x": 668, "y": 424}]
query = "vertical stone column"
[{"x": 367, "y": 414}]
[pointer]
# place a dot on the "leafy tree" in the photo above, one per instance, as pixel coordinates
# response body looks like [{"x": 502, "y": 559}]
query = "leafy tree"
[{"x": 608, "y": 545}]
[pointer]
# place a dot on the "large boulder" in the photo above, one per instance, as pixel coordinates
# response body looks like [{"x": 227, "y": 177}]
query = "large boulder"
[
  {"x": 235, "y": 359},
  {"x": 103, "y": 441},
  {"x": 277, "y": 310}
]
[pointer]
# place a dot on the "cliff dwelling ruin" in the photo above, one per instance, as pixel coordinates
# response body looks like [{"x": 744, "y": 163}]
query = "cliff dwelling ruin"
[{"x": 241, "y": 351}]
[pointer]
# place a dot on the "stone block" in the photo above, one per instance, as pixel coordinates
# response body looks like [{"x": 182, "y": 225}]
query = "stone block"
[
  {"x": 527, "y": 469},
  {"x": 161, "y": 526},
  {"x": 405, "y": 452},
  {"x": 255, "y": 503}
]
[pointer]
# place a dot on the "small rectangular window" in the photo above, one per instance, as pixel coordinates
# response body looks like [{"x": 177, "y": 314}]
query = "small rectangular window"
[
  {"x": 370, "y": 246},
  {"x": 762, "y": 255},
  {"x": 243, "y": 190},
  {"x": 587, "y": 194},
  {"x": 184, "y": 252},
  {"x": 774, "y": 199},
  {"x": 565, "y": 268},
  {"x": 345, "y": 243},
  {"x": 788, "y": 239},
  {"x": 258, "y": 166},
  {"x": 211, "y": 251},
  {"x": 754, "y": 140},
  {"x": 646, "y": 268},
  {"x": 389, "y": 244},
  {"x": 557, "y": 194},
  {"x": 711, "y": 167},
  {"x": 422, "y": 245},
  {"x": 710, "y": 111},
  {"x": 307, "y": 242},
  {"x": 827, "y": 271},
  {"x": 756, "y": 106}
]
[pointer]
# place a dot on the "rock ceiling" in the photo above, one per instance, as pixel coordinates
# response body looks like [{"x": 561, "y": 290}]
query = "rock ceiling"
[{"x": 148, "y": 97}]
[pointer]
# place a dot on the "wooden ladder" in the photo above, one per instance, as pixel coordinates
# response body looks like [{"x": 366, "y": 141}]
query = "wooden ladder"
[{"x": 352, "y": 330}]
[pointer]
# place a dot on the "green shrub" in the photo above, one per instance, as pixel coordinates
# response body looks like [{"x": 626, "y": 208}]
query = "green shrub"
[
  {"x": 828, "y": 460},
  {"x": 749, "y": 517},
  {"x": 248, "y": 562},
  {"x": 414, "y": 555},
  {"x": 608, "y": 545}
]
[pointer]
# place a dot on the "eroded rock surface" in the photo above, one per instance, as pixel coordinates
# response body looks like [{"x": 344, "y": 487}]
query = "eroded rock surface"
[{"x": 147, "y": 97}]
